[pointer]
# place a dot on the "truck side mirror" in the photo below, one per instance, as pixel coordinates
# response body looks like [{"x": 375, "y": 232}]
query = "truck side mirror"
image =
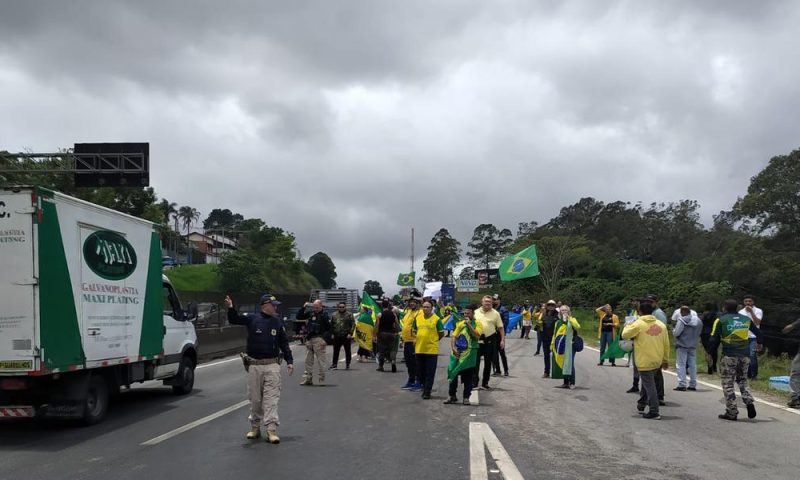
[{"x": 191, "y": 312}]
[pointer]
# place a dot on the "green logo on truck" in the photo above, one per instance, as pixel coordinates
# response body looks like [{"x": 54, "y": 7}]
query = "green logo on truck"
[{"x": 109, "y": 255}]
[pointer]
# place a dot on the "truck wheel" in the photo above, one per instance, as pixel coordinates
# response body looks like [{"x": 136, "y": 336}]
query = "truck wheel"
[
  {"x": 96, "y": 402},
  {"x": 184, "y": 377}
]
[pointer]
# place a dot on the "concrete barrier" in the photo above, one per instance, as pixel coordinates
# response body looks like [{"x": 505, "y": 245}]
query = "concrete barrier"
[{"x": 219, "y": 342}]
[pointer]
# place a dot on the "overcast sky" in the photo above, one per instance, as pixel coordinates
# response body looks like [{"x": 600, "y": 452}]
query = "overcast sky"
[{"x": 347, "y": 123}]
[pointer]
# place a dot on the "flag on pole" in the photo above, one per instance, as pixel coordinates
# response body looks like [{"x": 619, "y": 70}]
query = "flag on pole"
[
  {"x": 365, "y": 323},
  {"x": 406, "y": 279},
  {"x": 521, "y": 265}
]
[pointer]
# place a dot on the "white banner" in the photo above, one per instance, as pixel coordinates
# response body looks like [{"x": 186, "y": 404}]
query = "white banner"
[{"x": 433, "y": 290}]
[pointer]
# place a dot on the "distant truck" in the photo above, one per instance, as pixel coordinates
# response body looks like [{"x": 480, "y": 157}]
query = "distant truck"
[{"x": 84, "y": 308}]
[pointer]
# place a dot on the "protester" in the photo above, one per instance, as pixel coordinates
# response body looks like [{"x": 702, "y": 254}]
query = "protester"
[
  {"x": 491, "y": 325},
  {"x": 651, "y": 349},
  {"x": 526, "y": 322},
  {"x": 343, "y": 323},
  {"x": 632, "y": 316},
  {"x": 428, "y": 330},
  {"x": 662, "y": 317},
  {"x": 387, "y": 327},
  {"x": 606, "y": 330},
  {"x": 794, "y": 375},
  {"x": 536, "y": 316},
  {"x": 363, "y": 353},
  {"x": 410, "y": 315},
  {"x": 566, "y": 329},
  {"x": 756, "y": 316},
  {"x": 267, "y": 341},
  {"x": 730, "y": 330},
  {"x": 549, "y": 319},
  {"x": 687, "y": 334},
  {"x": 464, "y": 355},
  {"x": 710, "y": 315},
  {"x": 317, "y": 327},
  {"x": 500, "y": 350}
]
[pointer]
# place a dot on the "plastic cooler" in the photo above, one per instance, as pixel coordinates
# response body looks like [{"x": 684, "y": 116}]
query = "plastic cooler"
[{"x": 779, "y": 383}]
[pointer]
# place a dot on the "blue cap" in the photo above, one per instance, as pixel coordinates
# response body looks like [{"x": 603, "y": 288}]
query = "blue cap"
[{"x": 269, "y": 298}]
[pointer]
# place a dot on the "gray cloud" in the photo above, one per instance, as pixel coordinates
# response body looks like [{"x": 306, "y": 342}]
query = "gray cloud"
[{"x": 348, "y": 123}]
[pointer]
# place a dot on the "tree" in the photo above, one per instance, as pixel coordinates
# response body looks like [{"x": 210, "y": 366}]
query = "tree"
[
  {"x": 188, "y": 215},
  {"x": 168, "y": 209},
  {"x": 467, "y": 273},
  {"x": 527, "y": 229},
  {"x": 220, "y": 219},
  {"x": 444, "y": 253},
  {"x": 554, "y": 253},
  {"x": 322, "y": 268},
  {"x": 773, "y": 197},
  {"x": 577, "y": 218},
  {"x": 488, "y": 244},
  {"x": 373, "y": 288}
]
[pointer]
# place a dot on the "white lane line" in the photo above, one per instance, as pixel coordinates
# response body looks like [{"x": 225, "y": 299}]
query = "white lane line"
[
  {"x": 481, "y": 434},
  {"x": 196, "y": 423},
  {"x": 717, "y": 387},
  {"x": 214, "y": 364}
]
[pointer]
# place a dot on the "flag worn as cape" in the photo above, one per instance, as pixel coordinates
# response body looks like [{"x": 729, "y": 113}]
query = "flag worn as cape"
[
  {"x": 468, "y": 358},
  {"x": 365, "y": 323},
  {"x": 520, "y": 265}
]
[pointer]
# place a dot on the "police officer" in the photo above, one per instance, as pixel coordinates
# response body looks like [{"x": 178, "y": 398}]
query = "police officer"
[
  {"x": 266, "y": 340},
  {"x": 318, "y": 326}
]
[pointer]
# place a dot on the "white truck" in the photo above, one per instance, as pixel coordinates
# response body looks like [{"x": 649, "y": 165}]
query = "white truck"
[{"x": 84, "y": 308}]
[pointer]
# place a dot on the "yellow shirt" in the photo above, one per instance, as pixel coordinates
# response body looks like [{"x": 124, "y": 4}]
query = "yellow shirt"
[
  {"x": 408, "y": 318},
  {"x": 490, "y": 321},
  {"x": 427, "y": 330}
]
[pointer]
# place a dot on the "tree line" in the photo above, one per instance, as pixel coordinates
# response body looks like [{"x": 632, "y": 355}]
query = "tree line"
[{"x": 593, "y": 252}]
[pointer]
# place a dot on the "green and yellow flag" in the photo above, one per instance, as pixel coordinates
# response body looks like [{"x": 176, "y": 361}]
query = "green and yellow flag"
[
  {"x": 521, "y": 265},
  {"x": 365, "y": 323},
  {"x": 406, "y": 279},
  {"x": 467, "y": 347}
]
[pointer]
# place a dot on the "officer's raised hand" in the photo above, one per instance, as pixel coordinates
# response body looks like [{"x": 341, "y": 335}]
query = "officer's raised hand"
[{"x": 228, "y": 302}]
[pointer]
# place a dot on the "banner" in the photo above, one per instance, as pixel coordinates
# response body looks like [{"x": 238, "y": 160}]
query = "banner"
[
  {"x": 467, "y": 285},
  {"x": 448, "y": 293},
  {"x": 487, "y": 277},
  {"x": 433, "y": 290}
]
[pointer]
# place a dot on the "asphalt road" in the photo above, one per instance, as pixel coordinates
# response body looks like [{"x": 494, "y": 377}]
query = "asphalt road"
[{"x": 361, "y": 425}]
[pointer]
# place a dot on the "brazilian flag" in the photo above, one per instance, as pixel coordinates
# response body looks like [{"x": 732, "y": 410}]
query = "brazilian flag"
[
  {"x": 521, "y": 265},
  {"x": 468, "y": 352},
  {"x": 406, "y": 279}
]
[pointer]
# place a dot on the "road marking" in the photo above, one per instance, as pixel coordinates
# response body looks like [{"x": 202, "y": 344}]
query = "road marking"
[
  {"x": 481, "y": 434},
  {"x": 204, "y": 365},
  {"x": 196, "y": 423},
  {"x": 717, "y": 387}
]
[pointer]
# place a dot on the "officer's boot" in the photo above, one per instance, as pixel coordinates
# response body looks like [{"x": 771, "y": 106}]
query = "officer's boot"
[
  {"x": 272, "y": 437},
  {"x": 254, "y": 433}
]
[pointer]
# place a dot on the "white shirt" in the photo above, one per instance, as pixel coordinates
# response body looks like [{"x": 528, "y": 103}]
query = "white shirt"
[{"x": 758, "y": 312}]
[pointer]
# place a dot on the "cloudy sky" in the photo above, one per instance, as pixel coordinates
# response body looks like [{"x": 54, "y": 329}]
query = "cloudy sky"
[{"x": 347, "y": 122}]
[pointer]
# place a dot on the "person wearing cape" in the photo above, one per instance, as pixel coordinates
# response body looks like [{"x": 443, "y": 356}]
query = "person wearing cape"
[
  {"x": 463, "y": 354},
  {"x": 566, "y": 328}
]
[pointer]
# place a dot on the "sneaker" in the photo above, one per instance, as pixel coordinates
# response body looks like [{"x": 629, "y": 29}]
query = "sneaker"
[
  {"x": 321, "y": 382},
  {"x": 407, "y": 386},
  {"x": 380, "y": 369},
  {"x": 632, "y": 390},
  {"x": 485, "y": 387},
  {"x": 272, "y": 437},
  {"x": 347, "y": 367},
  {"x": 546, "y": 375},
  {"x": 307, "y": 381},
  {"x": 640, "y": 409},
  {"x": 652, "y": 416},
  {"x": 600, "y": 364},
  {"x": 416, "y": 387},
  {"x": 727, "y": 416},
  {"x": 505, "y": 374},
  {"x": 793, "y": 404},
  {"x": 751, "y": 411},
  {"x": 466, "y": 401},
  {"x": 564, "y": 385},
  {"x": 536, "y": 354},
  {"x": 680, "y": 389},
  {"x": 691, "y": 389},
  {"x": 613, "y": 364},
  {"x": 451, "y": 401},
  {"x": 426, "y": 396},
  {"x": 496, "y": 374},
  {"x": 394, "y": 368},
  {"x": 254, "y": 433},
  {"x": 662, "y": 403},
  {"x": 332, "y": 367}
]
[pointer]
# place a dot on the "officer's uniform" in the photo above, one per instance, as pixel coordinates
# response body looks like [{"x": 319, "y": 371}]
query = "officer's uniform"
[
  {"x": 318, "y": 325},
  {"x": 266, "y": 341}
]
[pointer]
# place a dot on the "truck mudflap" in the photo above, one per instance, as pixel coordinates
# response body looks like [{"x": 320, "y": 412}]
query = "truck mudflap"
[{"x": 17, "y": 412}]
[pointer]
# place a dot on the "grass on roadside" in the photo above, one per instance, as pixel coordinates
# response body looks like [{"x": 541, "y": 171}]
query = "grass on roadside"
[
  {"x": 768, "y": 365},
  {"x": 194, "y": 278}
]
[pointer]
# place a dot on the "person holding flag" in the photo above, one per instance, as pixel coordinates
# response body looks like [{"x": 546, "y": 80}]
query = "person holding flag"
[
  {"x": 387, "y": 328},
  {"x": 365, "y": 326},
  {"x": 607, "y": 332},
  {"x": 464, "y": 354},
  {"x": 567, "y": 328}
]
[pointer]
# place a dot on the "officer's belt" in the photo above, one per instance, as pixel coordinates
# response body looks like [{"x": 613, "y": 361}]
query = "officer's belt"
[{"x": 263, "y": 361}]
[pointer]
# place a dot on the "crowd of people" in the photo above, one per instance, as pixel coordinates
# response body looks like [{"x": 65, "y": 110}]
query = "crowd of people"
[{"x": 478, "y": 336}]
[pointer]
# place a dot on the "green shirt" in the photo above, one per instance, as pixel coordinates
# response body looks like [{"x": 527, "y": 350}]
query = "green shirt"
[{"x": 731, "y": 331}]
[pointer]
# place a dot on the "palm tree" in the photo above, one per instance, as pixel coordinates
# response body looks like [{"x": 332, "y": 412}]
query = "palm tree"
[
  {"x": 168, "y": 210},
  {"x": 189, "y": 215}
]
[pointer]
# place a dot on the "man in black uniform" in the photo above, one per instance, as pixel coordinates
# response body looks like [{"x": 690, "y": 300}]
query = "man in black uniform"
[
  {"x": 317, "y": 327},
  {"x": 266, "y": 341}
]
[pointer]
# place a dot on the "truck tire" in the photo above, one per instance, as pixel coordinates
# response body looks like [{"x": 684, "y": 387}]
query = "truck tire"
[
  {"x": 95, "y": 405},
  {"x": 184, "y": 377}
]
